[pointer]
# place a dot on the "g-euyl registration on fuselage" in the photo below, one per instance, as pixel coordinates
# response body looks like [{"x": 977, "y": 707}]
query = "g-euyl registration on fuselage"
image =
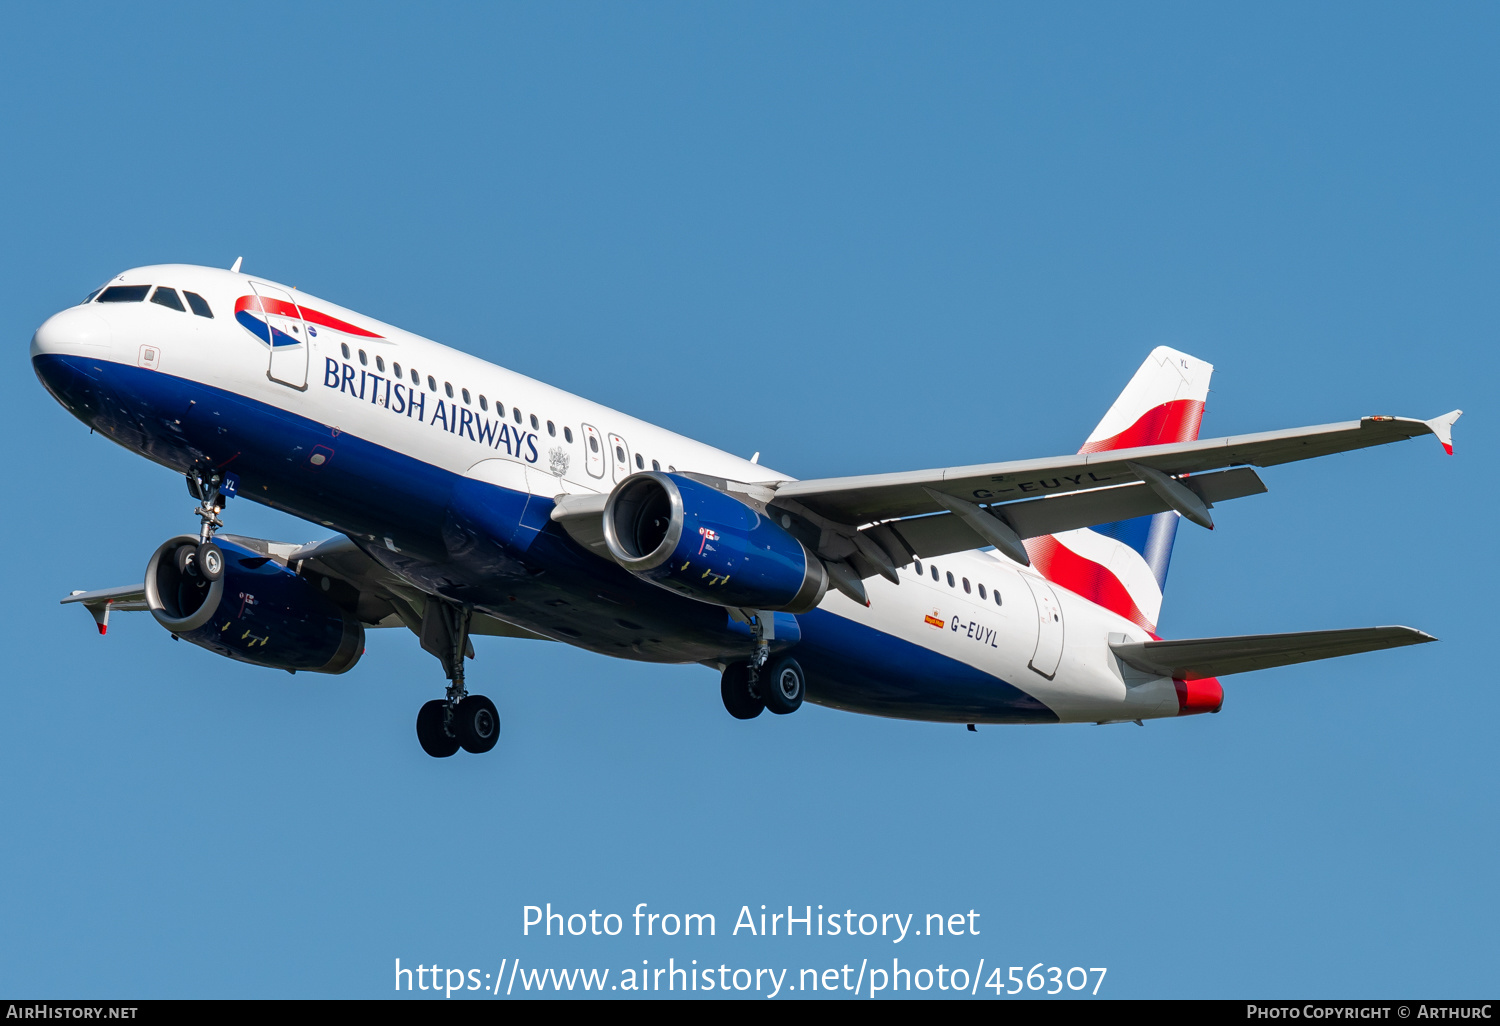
[{"x": 467, "y": 499}]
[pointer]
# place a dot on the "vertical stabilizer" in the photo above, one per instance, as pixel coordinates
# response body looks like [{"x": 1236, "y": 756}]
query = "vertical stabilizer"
[{"x": 1123, "y": 566}]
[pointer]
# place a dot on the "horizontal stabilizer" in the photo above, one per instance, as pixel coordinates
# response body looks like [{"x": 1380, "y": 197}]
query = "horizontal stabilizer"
[{"x": 1197, "y": 658}]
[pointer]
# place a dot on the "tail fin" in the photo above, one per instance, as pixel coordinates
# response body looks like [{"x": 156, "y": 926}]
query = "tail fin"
[{"x": 1123, "y": 566}]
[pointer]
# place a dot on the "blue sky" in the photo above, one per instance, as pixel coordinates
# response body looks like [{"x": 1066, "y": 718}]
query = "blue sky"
[{"x": 855, "y": 238}]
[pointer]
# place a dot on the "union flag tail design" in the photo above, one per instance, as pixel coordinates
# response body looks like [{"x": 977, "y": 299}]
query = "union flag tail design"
[{"x": 1123, "y": 566}]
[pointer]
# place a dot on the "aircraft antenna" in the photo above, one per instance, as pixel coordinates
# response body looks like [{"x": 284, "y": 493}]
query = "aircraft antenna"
[{"x": 235, "y": 268}]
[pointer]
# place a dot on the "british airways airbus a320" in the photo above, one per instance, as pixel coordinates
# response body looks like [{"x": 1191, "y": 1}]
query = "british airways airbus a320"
[{"x": 467, "y": 499}]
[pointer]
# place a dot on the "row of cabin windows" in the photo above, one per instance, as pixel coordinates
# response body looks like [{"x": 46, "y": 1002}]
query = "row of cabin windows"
[
  {"x": 432, "y": 386},
  {"x": 484, "y": 404},
  {"x": 163, "y": 296},
  {"x": 952, "y": 583}
]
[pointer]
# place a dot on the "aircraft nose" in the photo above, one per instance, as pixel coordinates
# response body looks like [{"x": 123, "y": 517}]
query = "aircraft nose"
[{"x": 76, "y": 330}]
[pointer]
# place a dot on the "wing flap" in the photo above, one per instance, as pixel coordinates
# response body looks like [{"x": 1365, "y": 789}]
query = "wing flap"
[
  {"x": 944, "y": 533},
  {"x": 1197, "y": 658}
]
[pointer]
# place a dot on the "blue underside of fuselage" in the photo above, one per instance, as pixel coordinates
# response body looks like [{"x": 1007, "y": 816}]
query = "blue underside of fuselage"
[{"x": 497, "y": 549}]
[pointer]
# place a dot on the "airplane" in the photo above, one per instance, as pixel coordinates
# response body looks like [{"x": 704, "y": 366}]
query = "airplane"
[{"x": 466, "y": 499}]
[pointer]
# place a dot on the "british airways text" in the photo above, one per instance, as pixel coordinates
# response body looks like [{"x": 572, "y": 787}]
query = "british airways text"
[{"x": 400, "y": 398}]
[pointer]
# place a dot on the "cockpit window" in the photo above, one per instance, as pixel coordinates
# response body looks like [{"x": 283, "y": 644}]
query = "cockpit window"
[
  {"x": 166, "y": 297},
  {"x": 199, "y": 304},
  {"x": 124, "y": 294},
  {"x": 90, "y": 297}
]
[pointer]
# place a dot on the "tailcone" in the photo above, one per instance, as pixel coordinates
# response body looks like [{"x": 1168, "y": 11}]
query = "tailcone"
[{"x": 1199, "y": 696}]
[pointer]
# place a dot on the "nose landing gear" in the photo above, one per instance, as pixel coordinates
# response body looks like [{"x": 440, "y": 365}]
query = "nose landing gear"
[
  {"x": 461, "y": 720},
  {"x": 207, "y": 560}
]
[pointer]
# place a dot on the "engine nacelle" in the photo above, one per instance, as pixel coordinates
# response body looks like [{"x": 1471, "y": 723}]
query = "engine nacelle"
[
  {"x": 257, "y": 612},
  {"x": 695, "y": 540}
]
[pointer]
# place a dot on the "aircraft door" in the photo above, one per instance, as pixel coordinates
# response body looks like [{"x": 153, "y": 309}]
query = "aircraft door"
[
  {"x": 289, "y": 340},
  {"x": 1049, "y": 636},
  {"x": 593, "y": 451},
  {"x": 620, "y": 451}
]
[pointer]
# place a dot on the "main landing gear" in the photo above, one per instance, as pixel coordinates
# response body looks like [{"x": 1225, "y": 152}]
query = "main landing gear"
[
  {"x": 460, "y": 720},
  {"x": 749, "y": 687}
]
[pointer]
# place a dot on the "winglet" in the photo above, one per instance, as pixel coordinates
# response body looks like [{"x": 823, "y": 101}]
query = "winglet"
[{"x": 1443, "y": 428}]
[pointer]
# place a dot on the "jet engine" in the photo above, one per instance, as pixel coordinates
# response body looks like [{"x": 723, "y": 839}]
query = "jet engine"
[
  {"x": 685, "y": 536},
  {"x": 258, "y": 611}
]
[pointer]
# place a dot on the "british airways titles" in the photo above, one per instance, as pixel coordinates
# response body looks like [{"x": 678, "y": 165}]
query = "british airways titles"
[{"x": 400, "y": 398}]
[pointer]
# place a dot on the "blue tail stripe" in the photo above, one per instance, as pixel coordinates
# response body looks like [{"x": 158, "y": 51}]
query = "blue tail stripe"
[{"x": 1151, "y": 536}]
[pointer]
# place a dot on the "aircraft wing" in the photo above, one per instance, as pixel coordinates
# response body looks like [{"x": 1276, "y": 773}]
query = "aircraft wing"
[
  {"x": 1197, "y": 658},
  {"x": 128, "y": 599},
  {"x": 876, "y": 497},
  {"x": 361, "y": 585}
]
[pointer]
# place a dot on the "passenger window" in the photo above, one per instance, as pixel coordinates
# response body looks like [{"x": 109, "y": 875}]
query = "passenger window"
[
  {"x": 982, "y": 592},
  {"x": 655, "y": 465},
  {"x": 640, "y": 464},
  {"x": 997, "y": 597},
  {"x": 620, "y": 454},
  {"x": 168, "y": 298},
  {"x": 919, "y": 567},
  {"x": 950, "y": 578},
  {"x": 364, "y": 361},
  {"x": 934, "y": 573},
  {"x": 671, "y": 468},
  {"x": 124, "y": 294},
  {"x": 484, "y": 404},
  {"x": 499, "y": 409},
  {"x": 568, "y": 433},
  {"x": 397, "y": 368},
  {"x": 431, "y": 383},
  {"x": 380, "y": 364},
  {"x": 199, "y": 304},
  {"x": 518, "y": 415},
  {"x": 467, "y": 401},
  {"x": 551, "y": 429},
  {"x": 448, "y": 387},
  {"x": 416, "y": 379},
  {"x": 345, "y": 347},
  {"x": 966, "y": 586},
  {"x": 593, "y": 443}
]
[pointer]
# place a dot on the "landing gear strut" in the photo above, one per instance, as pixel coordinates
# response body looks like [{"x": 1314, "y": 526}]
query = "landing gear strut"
[{"x": 461, "y": 720}]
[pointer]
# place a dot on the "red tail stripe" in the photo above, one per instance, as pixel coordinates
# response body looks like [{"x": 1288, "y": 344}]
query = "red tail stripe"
[
  {"x": 266, "y": 304},
  {"x": 1066, "y": 568},
  {"x": 1176, "y": 421}
]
